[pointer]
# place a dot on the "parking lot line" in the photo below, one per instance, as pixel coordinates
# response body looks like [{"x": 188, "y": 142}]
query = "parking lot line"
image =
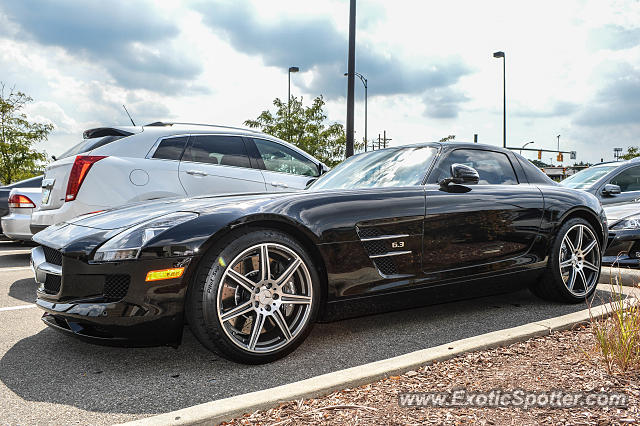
[
  {"x": 15, "y": 251},
  {"x": 13, "y": 308},
  {"x": 16, "y": 268}
]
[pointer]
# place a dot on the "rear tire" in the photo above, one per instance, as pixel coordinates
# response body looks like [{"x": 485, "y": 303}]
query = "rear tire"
[
  {"x": 573, "y": 269},
  {"x": 248, "y": 310}
]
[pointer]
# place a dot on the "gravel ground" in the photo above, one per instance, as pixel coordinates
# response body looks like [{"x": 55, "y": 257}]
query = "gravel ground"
[{"x": 562, "y": 361}]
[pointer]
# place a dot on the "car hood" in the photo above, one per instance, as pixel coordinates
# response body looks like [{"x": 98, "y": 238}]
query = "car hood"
[
  {"x": 129, "y": 216},
  {"x": 618, "y": 212},
  {"x": 84, "y": 233}
]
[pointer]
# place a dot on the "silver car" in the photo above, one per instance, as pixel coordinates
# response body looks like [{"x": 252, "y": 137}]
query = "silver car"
[{"x": 22, "y": 202}]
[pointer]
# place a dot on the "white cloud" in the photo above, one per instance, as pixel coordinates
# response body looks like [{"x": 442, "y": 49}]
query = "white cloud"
[{"x": 560, "y": 58}]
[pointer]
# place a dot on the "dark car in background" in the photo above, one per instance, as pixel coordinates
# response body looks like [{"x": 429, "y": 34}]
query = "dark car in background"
[
  {"x": 34, "y": 182},
  {"x": 613, "y": 183},
  {"x": 623, "y": 248}
]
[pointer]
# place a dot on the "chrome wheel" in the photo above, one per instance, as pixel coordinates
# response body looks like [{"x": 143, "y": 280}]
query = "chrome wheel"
[
  {"x": 579, "y": 260},
  {"x": 264, "y": 298}
]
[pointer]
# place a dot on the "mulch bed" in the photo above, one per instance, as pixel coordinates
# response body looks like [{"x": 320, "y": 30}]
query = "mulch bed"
[{"x": 562, "y": 361}]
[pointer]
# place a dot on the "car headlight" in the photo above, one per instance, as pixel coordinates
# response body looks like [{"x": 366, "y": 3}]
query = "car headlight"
[
  {"x": 628, "y": 223},
  {"x": 127, "y": 244}
]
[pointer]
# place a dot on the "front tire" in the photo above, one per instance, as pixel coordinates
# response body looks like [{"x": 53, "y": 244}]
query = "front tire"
[
  {"x": 255, "y": 298},
  {"x": 573, "y": 270}
]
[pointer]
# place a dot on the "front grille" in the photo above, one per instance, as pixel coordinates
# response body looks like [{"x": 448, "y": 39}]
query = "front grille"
[
  {"x": 386, "y": 265},
  {"x": 52, "y": 284},
  {"x": 52, "y": 256},
  {"x": 116, "y": 287}
]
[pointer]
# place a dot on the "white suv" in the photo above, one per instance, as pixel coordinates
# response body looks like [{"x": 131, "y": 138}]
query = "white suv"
[{"x": 114, "y": 166}]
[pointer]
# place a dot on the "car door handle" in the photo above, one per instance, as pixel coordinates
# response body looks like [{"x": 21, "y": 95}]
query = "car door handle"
[
  {"x": 280, "y": 184},
  {"x": 195, "y": 173}
]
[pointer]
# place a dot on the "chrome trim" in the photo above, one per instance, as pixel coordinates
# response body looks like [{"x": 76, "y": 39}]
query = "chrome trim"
[
  {"x": 391, "y": 253},
  {"x": 384, "y": 237},
  {"x": 41, "y": 267},
  {"x": 50, "y": 268}
]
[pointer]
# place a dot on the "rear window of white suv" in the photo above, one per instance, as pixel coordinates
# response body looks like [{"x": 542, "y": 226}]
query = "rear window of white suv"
[{"x": 88, "y": 145}]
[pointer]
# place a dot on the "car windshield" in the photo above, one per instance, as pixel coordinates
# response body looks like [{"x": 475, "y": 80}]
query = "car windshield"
[
  {"x": 385, "y": 168},
  {"x": 587, "y": 177}
]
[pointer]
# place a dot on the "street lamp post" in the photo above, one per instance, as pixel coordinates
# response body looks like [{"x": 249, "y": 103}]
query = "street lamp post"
[
  {"x": 291, "y": 69},
  {"x": 524, "y": 146},
  {"x": 504, "y": 96},
  {"x": 364, "y": 82}
]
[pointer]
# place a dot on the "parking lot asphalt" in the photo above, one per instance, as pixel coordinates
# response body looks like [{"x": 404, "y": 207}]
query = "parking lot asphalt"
[{"x": 47, "y": 377}]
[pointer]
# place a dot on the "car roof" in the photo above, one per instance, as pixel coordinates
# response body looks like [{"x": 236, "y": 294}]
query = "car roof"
[
  {"x": 452, "y": 145},
  {"x": 199, "y": 127}
]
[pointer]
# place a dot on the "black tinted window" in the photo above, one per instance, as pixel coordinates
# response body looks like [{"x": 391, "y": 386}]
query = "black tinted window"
[
  {"x": 279, "y": 158},
  {"x": 223, "y": 150},
  {"x": 171, "y": 149},
  {"x": 494, "y": 168},
  {"x": 628, "y": 180},
  {"x": 534, "y": 174},
  {"x": 88, "y": 145}
]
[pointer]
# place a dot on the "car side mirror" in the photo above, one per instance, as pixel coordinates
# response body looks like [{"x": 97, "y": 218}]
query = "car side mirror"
[
  {"x": 461, "y": 174},
  {"x": 611, "y": 189}
]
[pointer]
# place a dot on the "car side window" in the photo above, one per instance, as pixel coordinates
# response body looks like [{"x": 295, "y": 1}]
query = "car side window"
[
  {"x": 217, "y": 149},
  {"x": 279, "y": 158},
  {"x": 494, "y": 168},
  {"x": 171, "y": 148},
  {"x": 628, "y": 180}
]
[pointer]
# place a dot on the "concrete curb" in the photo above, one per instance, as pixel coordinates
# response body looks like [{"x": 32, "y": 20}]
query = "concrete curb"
[
  {"x": 221, "y": 410},
  {"x": 625, "y": 276}
]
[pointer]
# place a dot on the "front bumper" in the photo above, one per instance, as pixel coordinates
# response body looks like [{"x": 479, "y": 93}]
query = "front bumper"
[
  {"x": 623, "y": 249},
  {"x": 111, "y": 303},
  {"x": 16, "y": 225}
]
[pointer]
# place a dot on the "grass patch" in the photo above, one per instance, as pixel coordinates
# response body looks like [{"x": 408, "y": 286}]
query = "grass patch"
[{"x": 618, "y": 334}]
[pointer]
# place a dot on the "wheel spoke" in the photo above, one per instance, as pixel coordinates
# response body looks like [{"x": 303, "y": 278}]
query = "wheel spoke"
[
  {"x": 284, "y": 277},
  {"x": 257, "y": 328},
  {"x": 566, "y": 263},
  {"x": 282, "y": 323},
  {"x": 238, "y": 310},
  {"x": 241, "y": 279},
  {"x": 572, "y": 279},
  {"x": 296, "y": 299},
  {"x": 590, "y": 247},
  {"x": 591, "y": 266},
  {"x": 584, "y": 278},
  {"x": 265, "y": 269},
  {"x": 580, "y": 235},
  {"x": 567, "y": 241}
]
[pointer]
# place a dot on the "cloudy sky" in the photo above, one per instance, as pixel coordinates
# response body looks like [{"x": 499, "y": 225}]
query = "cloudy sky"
[{"x": 573, "y": 66}]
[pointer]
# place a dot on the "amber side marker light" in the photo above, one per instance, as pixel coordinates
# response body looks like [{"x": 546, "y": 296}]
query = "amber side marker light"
[{"x": 164, "y": 274}]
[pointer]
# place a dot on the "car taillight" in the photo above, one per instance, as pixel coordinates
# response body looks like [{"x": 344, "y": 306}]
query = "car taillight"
[
  {"x": 78, "y": 172},
  {"x": 21, "y": 201}
]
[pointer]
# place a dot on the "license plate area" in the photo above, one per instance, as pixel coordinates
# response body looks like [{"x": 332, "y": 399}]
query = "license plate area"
[{"x": 47, "y": 186}]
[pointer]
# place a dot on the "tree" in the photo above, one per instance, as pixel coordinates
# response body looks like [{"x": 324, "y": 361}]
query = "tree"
[
  {"x": 632, "y": 152},
  {"x": 306, "y": 128},
  {"x": 18, "y": 159},
  {"x": 448, "y": 138}
]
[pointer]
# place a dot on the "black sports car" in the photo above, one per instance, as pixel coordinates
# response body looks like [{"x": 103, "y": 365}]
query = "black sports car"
[
  {"x": 384, "y": 230},
  {"x": 624, "y": 235}
]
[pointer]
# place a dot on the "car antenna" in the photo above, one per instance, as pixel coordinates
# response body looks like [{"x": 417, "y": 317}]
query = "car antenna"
[{"x": 129, "y": 115}]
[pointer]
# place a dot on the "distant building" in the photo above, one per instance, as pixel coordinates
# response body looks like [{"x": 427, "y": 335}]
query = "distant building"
[{"x": 561, "y": 173}]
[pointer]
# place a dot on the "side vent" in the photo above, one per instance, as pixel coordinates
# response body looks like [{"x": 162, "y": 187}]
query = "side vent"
[{"x": 380, "y": 249}]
